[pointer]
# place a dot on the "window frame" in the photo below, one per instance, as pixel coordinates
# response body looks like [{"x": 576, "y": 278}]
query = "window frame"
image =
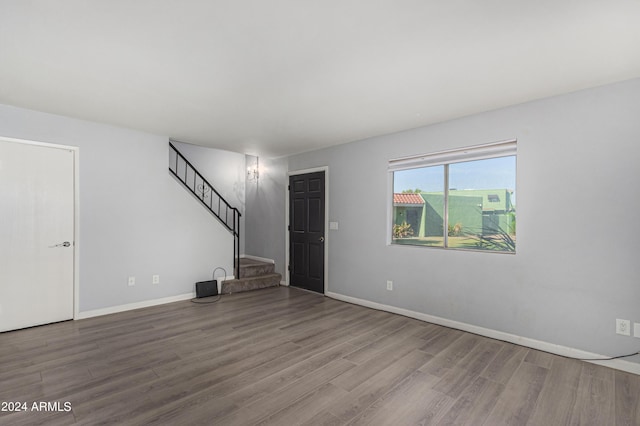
[{"x": 506, "y": 148}]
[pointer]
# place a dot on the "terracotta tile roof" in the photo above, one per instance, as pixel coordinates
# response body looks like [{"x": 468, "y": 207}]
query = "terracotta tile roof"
[{"x": 407, "y": 199}]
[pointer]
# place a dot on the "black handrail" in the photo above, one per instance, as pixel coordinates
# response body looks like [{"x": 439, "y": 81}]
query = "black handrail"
[{"x": 202, "y": 189}]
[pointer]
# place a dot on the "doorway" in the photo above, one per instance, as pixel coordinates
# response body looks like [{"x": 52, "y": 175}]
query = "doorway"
[
  {"x": 37, "y": 254},
  {"x": 307, "y": 231}
]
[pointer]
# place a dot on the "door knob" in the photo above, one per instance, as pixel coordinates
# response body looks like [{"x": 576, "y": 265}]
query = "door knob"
[
  {"x": 65, "y": 244},
  {"x": 321, "y": 239}
]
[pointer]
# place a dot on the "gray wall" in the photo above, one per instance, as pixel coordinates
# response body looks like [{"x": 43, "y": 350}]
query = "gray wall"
[
  {"x": 134, "y": 219},
  {"x": 265, "y": 218},
  {"x": 570, "y": 279},
  {"x": 224, "y": 170}
]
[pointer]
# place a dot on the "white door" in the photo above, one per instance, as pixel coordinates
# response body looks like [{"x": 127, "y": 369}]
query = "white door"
[{"x": 36, "y": 234}]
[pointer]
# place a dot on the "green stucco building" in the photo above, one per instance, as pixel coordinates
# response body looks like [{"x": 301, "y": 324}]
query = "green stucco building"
[{"x": 474, "y": 211}]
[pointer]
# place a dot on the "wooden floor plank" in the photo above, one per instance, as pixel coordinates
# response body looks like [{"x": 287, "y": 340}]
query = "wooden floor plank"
[
  {"x": 384, "y": 343},
  {"x": 543, "y": 359},
  {"x": 286, "y": 356},
  {"x": 305, "y": 408},
  {"x": 450, "y": 355},
  {"x": 372, "y": 366},
  {"x": 595, "y": 404},
  {"x": 323, "y": 418},
  {"x": 412, "y": 402},
  {"x": 380, "y": 382},
  {"x": 267, "y": 406},
  {"x": 559, "y": 393},
  {"x": 440, "y": 339},
  {"x": 135, "y": 401},
  {"x": 473, "y": 405},
  {"x": 505, "y": 363},
  {"x": 255, "y": 390},
  {"x": 627, "y": 402},
  {"x": 34, "y": 418},
  {"x": 517, "y": 402}
]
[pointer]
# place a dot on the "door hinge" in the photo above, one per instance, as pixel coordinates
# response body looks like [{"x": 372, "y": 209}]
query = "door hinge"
[
  {"x": 288, "y": 227},
  {"x": 288, "y": 267}
]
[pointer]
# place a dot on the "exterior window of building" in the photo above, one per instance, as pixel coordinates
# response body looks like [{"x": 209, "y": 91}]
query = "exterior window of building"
[{"x": 458, "y": 199}]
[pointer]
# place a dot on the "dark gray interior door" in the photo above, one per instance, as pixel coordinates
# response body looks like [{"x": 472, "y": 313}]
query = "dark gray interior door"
[{"x": 306, "y": 231}]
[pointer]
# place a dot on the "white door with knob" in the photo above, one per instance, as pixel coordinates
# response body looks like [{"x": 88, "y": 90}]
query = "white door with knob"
[{"x": 36, "y": 234}]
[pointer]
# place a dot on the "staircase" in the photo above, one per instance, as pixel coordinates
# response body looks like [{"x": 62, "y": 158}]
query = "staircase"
[
  {"x": 211, "y": 199},
  {"x": 251, "y": 274},
  {"x": 254, "y": 275}
]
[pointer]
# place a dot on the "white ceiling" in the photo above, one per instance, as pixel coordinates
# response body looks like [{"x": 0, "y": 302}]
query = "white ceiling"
[{"x": 275, "y": 77}]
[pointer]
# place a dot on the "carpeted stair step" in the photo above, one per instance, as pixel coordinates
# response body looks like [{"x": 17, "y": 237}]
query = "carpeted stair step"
[
  {"x": 251, "y": 283},
  {"x": 255, "y": 268}
]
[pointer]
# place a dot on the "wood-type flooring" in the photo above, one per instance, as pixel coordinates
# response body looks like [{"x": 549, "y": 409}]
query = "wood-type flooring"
[{"x": 283, "y": 356}]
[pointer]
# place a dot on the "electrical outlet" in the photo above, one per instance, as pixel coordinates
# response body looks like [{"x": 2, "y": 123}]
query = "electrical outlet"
[
  {"x": 132, "y": 281},
  {"x": 623, "y": 327},
  {"x": 636, "y": 329},
  {"x": 390, "y": 285},
  {"x": 155, "y": 279}
]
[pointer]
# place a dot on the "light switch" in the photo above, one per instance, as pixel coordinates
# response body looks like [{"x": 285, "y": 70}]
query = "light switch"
[{"x": 333, "y": 226}]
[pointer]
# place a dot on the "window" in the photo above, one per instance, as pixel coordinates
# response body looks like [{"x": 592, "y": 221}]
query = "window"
[{"x": 460, "y": 199}]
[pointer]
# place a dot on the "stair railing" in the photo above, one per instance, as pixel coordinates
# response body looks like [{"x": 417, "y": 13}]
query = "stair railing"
[{"x": 228, "y": 215}]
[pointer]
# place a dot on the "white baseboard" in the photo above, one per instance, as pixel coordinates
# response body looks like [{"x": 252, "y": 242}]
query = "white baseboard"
[
  {"x": 261, "y": 259},
  {"x": 284, "y": 283},
  {"x": 618, "y": 364},
  {"x": 132, "y": 306}
]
